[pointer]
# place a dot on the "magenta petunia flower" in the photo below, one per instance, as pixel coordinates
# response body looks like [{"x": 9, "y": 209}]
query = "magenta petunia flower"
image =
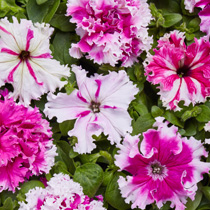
[
  {"x": 167, "y": 167},
  {"x": 25, "y": 60},
  {"x": 110, "y": 30},
  {"x": 26, "y": 144},
  {"x": 61, "y": 193},
  {"x": 181, "y": 71},
  {"x": 100, "y": 105},
  {"x": 204, "y": 14}
]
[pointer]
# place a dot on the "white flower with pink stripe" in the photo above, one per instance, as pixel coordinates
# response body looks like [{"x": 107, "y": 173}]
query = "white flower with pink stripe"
[
  {"x": 181, "y": 71},
  {"x": 100, "y": 105},
  {"x": 25, "y": 60},
  {"x": 167, "y": 167}
]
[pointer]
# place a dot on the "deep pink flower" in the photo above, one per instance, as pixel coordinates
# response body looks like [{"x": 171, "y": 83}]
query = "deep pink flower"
[
  {"x": 182, "y": 72},
  {"x": 26, "y": 61},
  {"x": 61, "y": 193},
  {"x": 204, "y": 14},
  {"x": 110, "y": 30},
  {"x": 26, "y": 144},
  {"x": 167, "y": 167},
  {"x": 100, "y": 105}
]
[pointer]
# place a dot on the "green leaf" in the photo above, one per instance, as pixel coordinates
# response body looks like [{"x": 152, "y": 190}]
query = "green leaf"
[
  {"x": 43, "y": 12},
  {"x": 30, "y": 185},
  {"x": 61, "y": 22},
  {"x": 66, "y": 126},
  {"x": 143, "y": 123},
  {"x": 90, "y": 176},
  {"x": 90, "y": 158},
  {"x": 192, "y": 205},
  {"x": 190, "y": 128},
  {"x": 61, "y": 44},
  {"x": 39, "y": 2},
  {"x": 204, "y": 116},
  {"x": 189, "y": 36},
  {"x": 171, "y": 117},
  {"x": 26, "y": 187},
  {"x": 194, "y": 112},
  {"x": 9, "y": 7},
  {"x": 140, "y": 108},
  {"x": 194, "y": 24},
  {"x": 108, "y": 176},
  {"x": 8, "y": 204},
  {"x": 60, "y": 167},
  {"x": 204, "y": 207},
  {"x": 206, "y": 192},
  {"x": 171, "y": 19},
  {"x": 69, "y": 87},
  {"x": 63, "y": 149},
  {"x": 156, "y": 111},
  {"x": 113, "y": 195}
]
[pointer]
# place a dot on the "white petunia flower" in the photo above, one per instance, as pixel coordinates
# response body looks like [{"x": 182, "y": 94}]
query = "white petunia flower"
[
  {"x": 100, "y": 105},
  {"x": 25, "y": 60}
]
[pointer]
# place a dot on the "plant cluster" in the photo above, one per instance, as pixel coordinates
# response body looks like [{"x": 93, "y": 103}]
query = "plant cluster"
[{"x": 104, "y": 104}]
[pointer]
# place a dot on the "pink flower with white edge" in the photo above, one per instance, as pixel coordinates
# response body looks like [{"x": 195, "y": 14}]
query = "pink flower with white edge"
[
  {"x": 111, "y": 31},
  {"x": 100, "y": 105},
  {"x": 61, "y": 193},
  {"x": 25, "y": 60},
  {"x": 191, "y": 4},
  {"x": 167, "y": 167},
  {"x": 182, "y": 72},
  {"x": 204, "y": 14},
  {"x": 26, "y": 144}
]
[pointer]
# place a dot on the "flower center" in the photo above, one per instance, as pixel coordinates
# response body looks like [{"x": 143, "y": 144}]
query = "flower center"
[
  {"x": 95, "y": 106},
  {"x": 24, "y": 55},
  {"x": 183, "y": 71},
  {"x": 156, "y": 170}
]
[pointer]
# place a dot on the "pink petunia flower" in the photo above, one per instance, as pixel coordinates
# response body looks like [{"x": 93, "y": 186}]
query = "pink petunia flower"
[
  {"x": 26, "y": 144},
  {"x": 110, "y": 30},
  {"x": 167, "y": 167},
  {"x": 61, "y": 193},
  {"x": 100, "y": 105},
  {"x": 25, "y": 60},
  {"x": 204, "y": 14},
  {"x": 181, "y": 71}
]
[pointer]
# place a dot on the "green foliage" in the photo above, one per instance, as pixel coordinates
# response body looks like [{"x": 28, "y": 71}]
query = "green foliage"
[
  {"x": 171, "y": 117},
  {"x": 192, "y": 205},
  {"x": 9, "y": 8},
  {"x": 204, "y": 116},
  {"x": 43, "y": 12},
  {"x": 143, "y": 123},
  {"x": 113, "y": 196},
  {"x": 63, "y": 149},
  {"x": 171, "y": 19},
  {"x": 90, "y": 176},
  {"x": 8, "y": 204},
  {"x": 26, "y": 187},
  {"x": 66, "y": 126},
  {"x": 61, "y": 45}
]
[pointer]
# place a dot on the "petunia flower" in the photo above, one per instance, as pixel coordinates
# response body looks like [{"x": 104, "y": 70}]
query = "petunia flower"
[
  {"x": 204, "y": 14},
  {"x": 111, "y": 31},
  {"x": 61, "y": 193},
  {"x": 25, "y": 60},
  {"x": 167, "y": 167},
  {"x": 182, "y": 72},
  {"x": 100, "y": 105},
  {"x": 26, "y": 144}
]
